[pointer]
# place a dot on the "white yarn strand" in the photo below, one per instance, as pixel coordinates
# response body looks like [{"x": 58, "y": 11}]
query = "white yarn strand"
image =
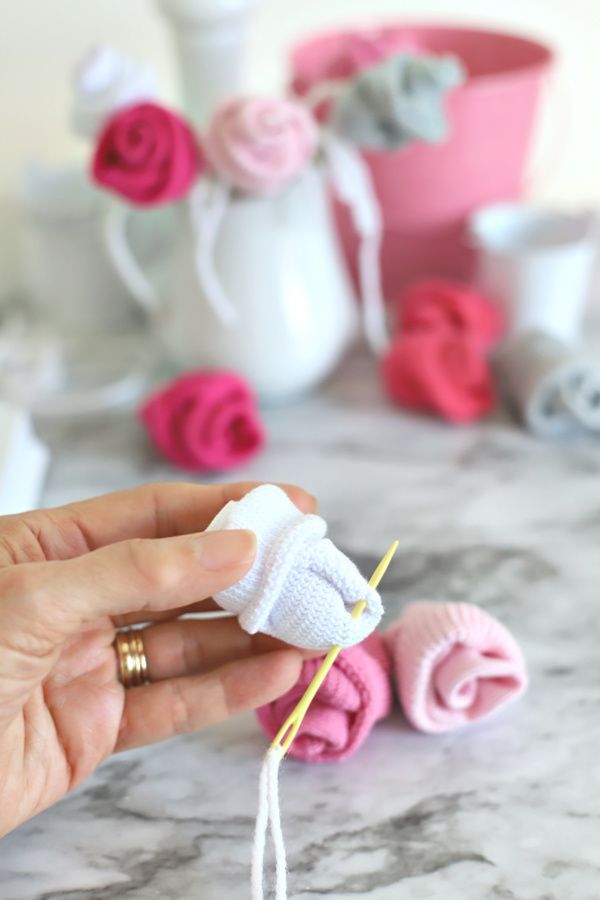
[
  {"x": 269, "y": 818},
  {"x": 260, "y": 834},
  {"x": 276, "y": 829},
  {"x": 354, "y": 186},
  {"x": 208, "y": 204}
]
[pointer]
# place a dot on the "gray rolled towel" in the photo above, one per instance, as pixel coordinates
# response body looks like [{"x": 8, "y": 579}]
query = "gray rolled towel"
[
  {"x": 554, "y": 389},
  {"x": 397, "y": 101}
]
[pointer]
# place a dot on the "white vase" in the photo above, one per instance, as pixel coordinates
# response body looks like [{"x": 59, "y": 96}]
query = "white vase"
[
  {"x": 69, "y": 279},
  {"x": 280, "y": 267},
  {"x": 210, "y": 40}
]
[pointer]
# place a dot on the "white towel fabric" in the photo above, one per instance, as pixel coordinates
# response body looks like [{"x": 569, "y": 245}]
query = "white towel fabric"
[
  {"x": 554, "y": 389},
  {"x": 105, "y": 82},
  {"x": 397, "y": 101},
  {"x": 301, "y": 588}
]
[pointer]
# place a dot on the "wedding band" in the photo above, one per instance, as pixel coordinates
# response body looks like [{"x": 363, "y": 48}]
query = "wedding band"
[{"x": 131, "y": 658}]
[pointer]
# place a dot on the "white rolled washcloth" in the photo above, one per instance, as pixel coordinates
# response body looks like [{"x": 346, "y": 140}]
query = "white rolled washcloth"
[
  {"x": 104, "y": 82},
  {"x": 301, "y": 588}
]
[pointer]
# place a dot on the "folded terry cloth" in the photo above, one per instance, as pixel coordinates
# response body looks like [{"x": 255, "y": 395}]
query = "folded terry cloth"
[
  {"x": 397, "y": 101},
  {"x": 554, "y": 389},
  {"x": 355, "y": 695},
  {"x": 301, "y": 588},
  {"x": 454, "y": 664},
  {"x": 105, "y": 82}
]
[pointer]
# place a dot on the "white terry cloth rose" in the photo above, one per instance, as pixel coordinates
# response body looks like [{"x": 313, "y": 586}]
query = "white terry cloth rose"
[
  {"x": 106, "y": 81},
  {"x": 301, "y": 588}
]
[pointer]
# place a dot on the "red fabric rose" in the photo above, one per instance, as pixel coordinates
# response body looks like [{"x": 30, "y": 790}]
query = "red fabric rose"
[
  {"x": 439, "y": 372},
  {"x": 204, "y": 421},
  {"x": 148, "y": 155},
  {"x": 436, "y": 303}
]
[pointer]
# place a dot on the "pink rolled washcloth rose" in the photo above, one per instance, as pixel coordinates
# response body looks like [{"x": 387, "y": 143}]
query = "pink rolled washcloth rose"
[
  {"x": 204, "y": 421},
  {"x": 454, "y": 664},
  {"x": 355, "y": 695},
  {"x": 441, "y": 305},
  {"x": 259, "y": 144},
  {"x": 439, "y": 372},
  {"x": 148, "y": 155}
]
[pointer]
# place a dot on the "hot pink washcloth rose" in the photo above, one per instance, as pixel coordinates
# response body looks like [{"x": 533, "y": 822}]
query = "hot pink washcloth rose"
[
  {"x": 436, "y": 303},
  {"x": 354, "y": 696},
  {"x": 205, "y": 421},
  {"x": 439, "y": 372},
  {"x": 148, "y": 155},
  {"x": 260, "y": 144},
  {"x": 454, "y": 664}
]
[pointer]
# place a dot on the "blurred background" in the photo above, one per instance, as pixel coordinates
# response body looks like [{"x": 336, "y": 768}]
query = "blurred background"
[
  {"x": 41, "y": 42},
  {"x": 426, "y": 193}
]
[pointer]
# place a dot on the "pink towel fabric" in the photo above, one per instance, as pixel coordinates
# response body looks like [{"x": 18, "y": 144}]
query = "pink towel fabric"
[
  {"x": 354, "y": 696},
  {"x": 454, "y": 664}
]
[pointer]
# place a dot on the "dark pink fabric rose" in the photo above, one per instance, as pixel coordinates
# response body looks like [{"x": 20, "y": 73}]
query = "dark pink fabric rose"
[
  {"x": 437, "y": 303},
  {"x": 148, "y": 155},
  {"x": 439, "y": 372},
  {"x": 205, "y": 421},
  {"x": 355, "y": 695}
]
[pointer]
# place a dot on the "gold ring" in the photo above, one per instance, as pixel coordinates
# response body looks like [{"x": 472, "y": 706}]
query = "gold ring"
[{"x": 131, "y": 658}]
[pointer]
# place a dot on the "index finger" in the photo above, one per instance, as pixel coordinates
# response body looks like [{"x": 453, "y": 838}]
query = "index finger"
[{"x": 152, "y": 511}]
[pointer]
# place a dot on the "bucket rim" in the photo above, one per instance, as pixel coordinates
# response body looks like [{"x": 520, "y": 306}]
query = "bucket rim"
[
  {"x": 583, "y": 221},
  {"x": 547, "y": 53}
]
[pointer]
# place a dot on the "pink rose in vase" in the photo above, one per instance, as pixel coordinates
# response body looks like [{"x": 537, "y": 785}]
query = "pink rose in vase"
[
  {"x": 148, "y": 155},
  {"x": 259, "y": 145}
]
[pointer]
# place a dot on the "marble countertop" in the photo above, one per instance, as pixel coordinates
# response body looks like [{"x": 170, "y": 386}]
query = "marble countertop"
[{"x": 509, "y": 810}]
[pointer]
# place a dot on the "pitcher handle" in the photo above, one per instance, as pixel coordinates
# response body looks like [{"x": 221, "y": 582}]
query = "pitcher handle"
[
  {"x": 124, "y": 261},
  {"x": 352, "y": 182}
]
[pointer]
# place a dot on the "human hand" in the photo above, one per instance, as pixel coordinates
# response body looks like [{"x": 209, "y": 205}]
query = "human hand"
[{"x": 69, "y": 577}]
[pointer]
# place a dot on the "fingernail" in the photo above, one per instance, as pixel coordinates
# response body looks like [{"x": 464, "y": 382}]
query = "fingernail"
[{"x": 218, "y": 550}]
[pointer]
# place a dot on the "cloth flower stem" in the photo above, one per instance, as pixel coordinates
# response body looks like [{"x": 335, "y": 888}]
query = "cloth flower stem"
[{"x": 288, "y": 731}]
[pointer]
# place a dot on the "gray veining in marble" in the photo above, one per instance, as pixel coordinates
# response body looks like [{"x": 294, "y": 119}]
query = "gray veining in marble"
[{"x": 509, "y": 810}]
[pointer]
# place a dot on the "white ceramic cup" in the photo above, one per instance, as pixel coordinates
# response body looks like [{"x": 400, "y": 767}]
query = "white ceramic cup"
[{"x": 537, "y": 264}]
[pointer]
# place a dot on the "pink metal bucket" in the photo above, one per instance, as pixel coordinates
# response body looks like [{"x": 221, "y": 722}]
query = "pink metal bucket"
[{"x": 427, "y": 191}]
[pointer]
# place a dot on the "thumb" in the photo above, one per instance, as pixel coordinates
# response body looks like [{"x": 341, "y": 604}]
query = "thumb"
[{"x": 43, "y": 604}]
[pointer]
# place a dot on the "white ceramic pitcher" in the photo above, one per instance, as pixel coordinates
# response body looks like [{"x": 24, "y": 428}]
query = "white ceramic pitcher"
[{"x": 278, "y": 262}]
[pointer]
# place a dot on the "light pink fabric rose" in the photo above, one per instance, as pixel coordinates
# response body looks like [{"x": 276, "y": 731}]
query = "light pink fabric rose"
[
  {"x": 454, "y": 664},
  {"x": 259, "y": 144}
]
